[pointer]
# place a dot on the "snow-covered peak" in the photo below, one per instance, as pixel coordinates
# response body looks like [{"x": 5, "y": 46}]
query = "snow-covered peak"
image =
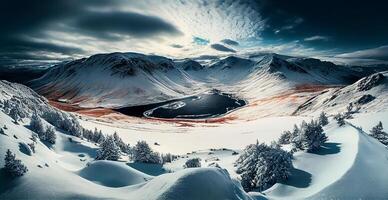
[
  {"x": 371, "y": 81},
  {"x": 189, "y": 65},
  {"x": 232, "y": 62}
]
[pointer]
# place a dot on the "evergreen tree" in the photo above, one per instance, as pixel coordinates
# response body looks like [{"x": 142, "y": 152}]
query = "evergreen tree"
[
  {"x": 340, "y": 119},
  {"x": 36, "y": 125},
  {"x": 261, "y": 166},
  {"x": 285, "y": 138},
  {"x": 108, "y": 150},
  {"x": 50, "y": 135},
  {"x": 296, "y": 139},
  {"x": 14, "y": 166},
  {"x": 378, "y": 133},
  {"x": 313, "y": 136},
  {"x": 2, "y": 131},
  {"x": 323, "y": 120},
  {"x": 143, "y": 153},
  {"x": 125, "y": 148},
  {"x": 13, "y": 113}
]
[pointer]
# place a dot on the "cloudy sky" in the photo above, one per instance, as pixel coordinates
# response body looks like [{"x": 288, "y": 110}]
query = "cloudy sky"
[{"x": 52, "y": 30}]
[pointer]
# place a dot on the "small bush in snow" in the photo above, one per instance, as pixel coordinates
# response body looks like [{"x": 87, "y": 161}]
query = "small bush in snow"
[
  {"x": 378, "y": 133},
  {"x": 323, "y": 120},
  {"x": 34, "y": 137},
  {"x": 108, "y": 150},
  {"x": 214, "y": 164},
  {"x": 261, "y": 166},
  {"x": 143, "y": 153},
  {"x": 192, "y": 163},
  {"x": 340, "y": 119},
  {"x": 32, "y": 146},
  {"x": 14, "y": 166},
  {"x": 2, "y": 131},
  {"x": 168, "y": 158}
]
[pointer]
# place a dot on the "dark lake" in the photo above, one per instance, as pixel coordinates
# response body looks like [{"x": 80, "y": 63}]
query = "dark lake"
[{"x": 207, "y": 105}]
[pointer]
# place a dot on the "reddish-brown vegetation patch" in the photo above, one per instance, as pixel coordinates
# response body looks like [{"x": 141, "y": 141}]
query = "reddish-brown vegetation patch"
[{"x": 93, "y": 112}]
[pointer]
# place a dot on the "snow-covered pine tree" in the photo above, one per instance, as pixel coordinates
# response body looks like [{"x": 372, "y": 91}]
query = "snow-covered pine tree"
[
  {"x": 285, "y": 137},
  {"x": 323, "y": 120},
  {"x": 125, "y": 148},
  {"x": 261, "y": 166},
  {"x": 349, "y": 111},
  {"x": 6, "y": 106},
  {"x": 340, "y": 119},
  {"x": 296, "y": 139},
  {"x": 108, "y": 150},
  {"x": 36, "y": 125},
  {"x": 50, "y": 135},
  {"x": 14, "y": 166},
  {"x": 143, "y": 153},
  {"x": 192, "y": 163},
  {"x": 13, "y": 113},
  {"x": 378, "y": 133},
  {"x": 313, "y": 136},
  {"x": 100, "y": 137}
]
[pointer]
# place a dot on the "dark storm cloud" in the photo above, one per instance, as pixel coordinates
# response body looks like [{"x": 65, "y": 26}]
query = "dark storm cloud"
[
  {"x": 101, "y": 24},
  {"x": 230, "y": 42},
  {"x": 220, "y": 47},
  {"x": 22, "y": 20},
  {"x": 350, "y": 24},
  {"x": 20, "y": 45}
]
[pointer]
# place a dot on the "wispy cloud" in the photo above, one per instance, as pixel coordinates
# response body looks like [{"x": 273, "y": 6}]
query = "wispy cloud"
[
  {"x": 380, "y": 53},
  {"x": 316, "y": 38}
]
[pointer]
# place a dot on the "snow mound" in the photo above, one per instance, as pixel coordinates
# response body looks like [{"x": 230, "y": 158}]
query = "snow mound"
[
  {"x": 193, "y": 183},
  {"x": 349, "y": 166},
  {"x": 113, "y": 174},
  {"x": 367, "y": 178}
]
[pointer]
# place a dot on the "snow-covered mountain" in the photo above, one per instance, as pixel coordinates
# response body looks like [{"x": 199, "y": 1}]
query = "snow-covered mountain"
[
  {"x": 115, "y": 79},
  {"x": 124, "y": 79}
]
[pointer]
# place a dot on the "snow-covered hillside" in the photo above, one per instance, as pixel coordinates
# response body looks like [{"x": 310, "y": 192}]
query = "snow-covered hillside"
[{"x": 369, "y": 94}]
